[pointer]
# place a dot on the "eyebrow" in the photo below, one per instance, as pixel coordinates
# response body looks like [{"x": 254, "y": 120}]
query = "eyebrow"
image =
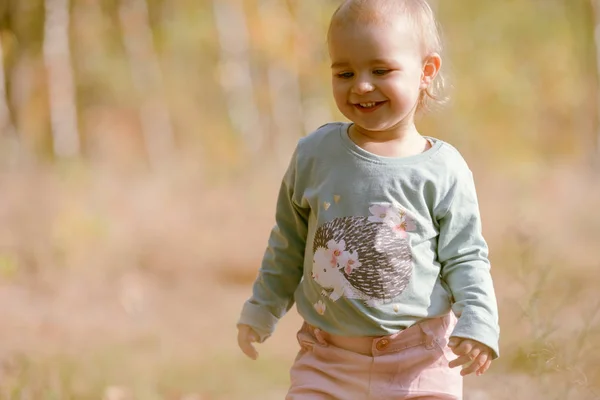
[
  {"x": 375, "y": 61},
  {"x": 339, "y": 65},
  {"x": 384, "y": 61}
]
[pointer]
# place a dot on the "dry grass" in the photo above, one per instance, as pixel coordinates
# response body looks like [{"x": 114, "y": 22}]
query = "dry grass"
[{"x": 123, "y": 286}]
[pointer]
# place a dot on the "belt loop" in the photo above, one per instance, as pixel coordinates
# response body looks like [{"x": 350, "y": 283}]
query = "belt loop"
[
  {"x": 447, "y": 320},
  {"x": 431, "y": 338},
  {"x": 319, "y": 336}
]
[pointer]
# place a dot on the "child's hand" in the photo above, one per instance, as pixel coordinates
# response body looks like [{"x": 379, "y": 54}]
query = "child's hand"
[
  {"x": 247, "y": 336},
  {"x": 470, "y": 351}
]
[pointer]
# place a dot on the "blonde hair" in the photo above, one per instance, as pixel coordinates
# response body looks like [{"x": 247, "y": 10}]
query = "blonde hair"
[{"x": 418, "y": 13}]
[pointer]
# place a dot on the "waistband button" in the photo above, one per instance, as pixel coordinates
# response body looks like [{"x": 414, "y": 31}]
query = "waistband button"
[{"x": 382, "y": 344}]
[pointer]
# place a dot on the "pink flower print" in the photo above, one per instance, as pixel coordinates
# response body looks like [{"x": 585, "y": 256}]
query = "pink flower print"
[
  {"x": 336, "y": 249},
  {"x": 381, "y": 212},
  {"x": 402, "y": 223},
  {"x": 349, "y": 261},
  {"x": 320, "y": 307},
  {"x": 322, "y": 261}
]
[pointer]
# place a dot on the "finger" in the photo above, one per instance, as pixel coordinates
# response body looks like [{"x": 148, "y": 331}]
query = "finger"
[
  {"x": 484, "y": 368},
  {"x": 253, "y": 337},
  {"x": 248, "y": 349},
  {"x": 475, "y": 365},
  {"x": 244, "y": 331},
  {"x": 464, "y": 348},
  {"x": 454, "y": 341},
  {"x": 245, "y": 339},
  {"x": 465, "y": 359}
]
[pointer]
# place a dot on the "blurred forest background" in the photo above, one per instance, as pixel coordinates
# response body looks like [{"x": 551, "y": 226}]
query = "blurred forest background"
[{"x": 141, "y": 147}]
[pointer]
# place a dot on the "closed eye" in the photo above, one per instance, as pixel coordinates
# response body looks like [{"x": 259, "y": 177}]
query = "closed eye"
[
  {"x": 345, "y": 75},
  {"x": 381, "y": 72}
]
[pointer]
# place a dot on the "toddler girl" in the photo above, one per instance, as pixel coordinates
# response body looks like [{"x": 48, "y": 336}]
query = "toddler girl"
[{"x": 378, "y": 234}]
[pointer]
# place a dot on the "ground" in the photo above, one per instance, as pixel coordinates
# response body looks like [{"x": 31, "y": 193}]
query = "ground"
[{"x": 129, "y": 286}]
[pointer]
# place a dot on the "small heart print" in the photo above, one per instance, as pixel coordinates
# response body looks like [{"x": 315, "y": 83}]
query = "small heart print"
[{"x": 326, "y": 205}]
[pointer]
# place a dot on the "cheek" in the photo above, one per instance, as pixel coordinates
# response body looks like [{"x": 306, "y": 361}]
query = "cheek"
[
  {"x": 339, "y": 90},
  {"x": 405, "y": 91}
]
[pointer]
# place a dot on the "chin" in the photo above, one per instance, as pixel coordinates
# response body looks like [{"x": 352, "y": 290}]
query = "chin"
[
  {"x": 374, "y": 127},
  {"x": 384, "y": 125}
]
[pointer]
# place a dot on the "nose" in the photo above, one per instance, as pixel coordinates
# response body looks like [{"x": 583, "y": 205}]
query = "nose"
[{"x": 362, "y": 86}]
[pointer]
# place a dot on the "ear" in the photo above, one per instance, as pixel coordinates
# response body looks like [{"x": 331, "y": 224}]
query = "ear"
[{"x": 431, "y": 67}]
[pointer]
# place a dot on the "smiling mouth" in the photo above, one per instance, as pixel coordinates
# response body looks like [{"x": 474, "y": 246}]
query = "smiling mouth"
[{"x": 369, "y": 106}]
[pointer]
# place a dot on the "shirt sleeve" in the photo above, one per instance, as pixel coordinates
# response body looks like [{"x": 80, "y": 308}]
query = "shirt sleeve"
[
  {"x": 282, "y": 264},
  {"x": 463, "y": 255}
]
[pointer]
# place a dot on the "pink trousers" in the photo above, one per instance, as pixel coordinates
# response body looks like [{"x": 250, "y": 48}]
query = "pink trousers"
[{"x": 412, "y": 364}]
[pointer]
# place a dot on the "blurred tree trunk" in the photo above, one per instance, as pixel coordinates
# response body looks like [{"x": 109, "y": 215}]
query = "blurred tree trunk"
[
  {"x": 596, "y": 9},
  {"x": 236, "y": 74},
  {"x": 147, "y": 77},
  {"x": 8, "y": 132},
  {"x": 277, "y": 25},
  {"x": 316, "y": 109},
  {"x": 61, "y": 87}
]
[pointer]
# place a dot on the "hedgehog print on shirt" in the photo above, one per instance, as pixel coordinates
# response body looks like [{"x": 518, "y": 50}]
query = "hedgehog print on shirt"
[{"x": 367, "y": 258}]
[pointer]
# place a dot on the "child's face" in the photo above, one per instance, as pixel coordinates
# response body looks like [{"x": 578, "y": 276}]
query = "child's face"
[{"x": 377, "y": 73}]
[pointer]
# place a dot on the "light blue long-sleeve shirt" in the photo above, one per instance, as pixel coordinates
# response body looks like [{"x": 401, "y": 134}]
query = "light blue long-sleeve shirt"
[{"x": 368, "y": 245}]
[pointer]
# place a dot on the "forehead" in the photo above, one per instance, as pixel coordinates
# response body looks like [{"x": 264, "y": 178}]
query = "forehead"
[
  {"x": 368, "y": 11},
  {"x": 365, "y": 42}
]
